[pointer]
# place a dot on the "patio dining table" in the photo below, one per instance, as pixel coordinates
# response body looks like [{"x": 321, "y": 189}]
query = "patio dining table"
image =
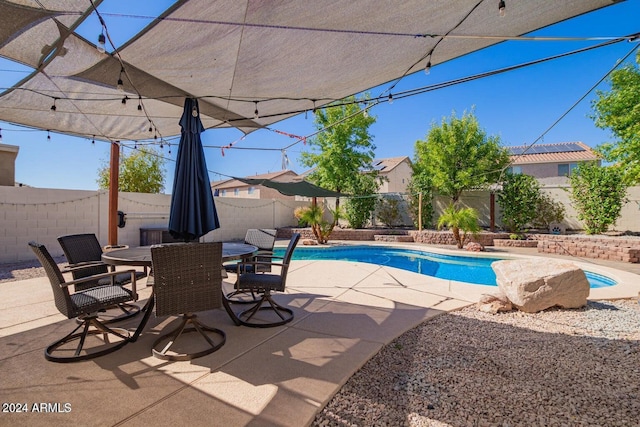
[{"x": 140, "y": 256}]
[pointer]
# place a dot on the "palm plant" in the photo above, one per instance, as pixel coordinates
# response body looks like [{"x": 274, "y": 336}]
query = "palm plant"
[
  {"x": 463, "y": 219},
  {"x": 314, "y": 216}
]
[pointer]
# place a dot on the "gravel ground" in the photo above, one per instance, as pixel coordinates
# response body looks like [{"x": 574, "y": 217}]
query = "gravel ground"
[
  {"x": 23, "y": 270},
  {"x": 469, "y": 368}
]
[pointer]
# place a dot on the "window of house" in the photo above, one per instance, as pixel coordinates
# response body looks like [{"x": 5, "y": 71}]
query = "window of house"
[
  {"x": 224, "y": 193},
  {"x": 566, "y": 169},
  {"x": 236, "y": 192},
  {"x": 251, "y": 190},
  {"x": 515, "y": 170}
]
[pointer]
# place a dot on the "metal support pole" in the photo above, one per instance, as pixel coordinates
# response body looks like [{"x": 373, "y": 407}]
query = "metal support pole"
[{"x": 113, "y": 193}]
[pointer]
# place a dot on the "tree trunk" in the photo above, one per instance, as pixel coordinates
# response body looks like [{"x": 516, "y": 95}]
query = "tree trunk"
[{"x": 456, "y": 236}]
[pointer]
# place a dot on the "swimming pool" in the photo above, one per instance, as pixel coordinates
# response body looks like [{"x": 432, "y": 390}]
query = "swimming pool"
[{"x": 472, "y": 270}]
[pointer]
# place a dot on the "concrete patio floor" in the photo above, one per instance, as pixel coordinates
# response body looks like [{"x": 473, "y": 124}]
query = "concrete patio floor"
[{"x": 344, "y": 313}]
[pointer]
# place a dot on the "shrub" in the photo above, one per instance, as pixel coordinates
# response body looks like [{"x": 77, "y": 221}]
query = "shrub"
[
  {"x": 547, "y": 211},
  {"x": 598, "y": 194},
  {"x": 518, "y": 199},
  {"x": 388, "y": 211}
]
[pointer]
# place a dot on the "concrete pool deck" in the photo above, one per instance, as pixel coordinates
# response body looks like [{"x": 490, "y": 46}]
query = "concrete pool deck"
[{"x": 344, "y": 314}]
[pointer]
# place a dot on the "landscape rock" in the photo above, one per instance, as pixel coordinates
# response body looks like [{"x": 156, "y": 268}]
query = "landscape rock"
[
  {"x": 474, "y": 247},
  {"x": 494, "y": 303},
  {"x": 309, "y": 242},
  {"x": 534, "y": 285}
]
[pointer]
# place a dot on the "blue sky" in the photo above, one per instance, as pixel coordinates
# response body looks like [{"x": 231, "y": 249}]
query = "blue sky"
[{"x": 518, "y": 106}]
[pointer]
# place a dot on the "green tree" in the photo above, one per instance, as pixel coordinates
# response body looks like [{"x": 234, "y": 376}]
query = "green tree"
[
  {"x": 598, "y": 194},
  {"x": 518, "y": 199},
  {"x": 140, "y": 172},
  {"x": 458, "y": 155},
  {"x": 619, "y": 111},
  {"x": 342, "y": 150},
  {"x": 459, "y": 220}
]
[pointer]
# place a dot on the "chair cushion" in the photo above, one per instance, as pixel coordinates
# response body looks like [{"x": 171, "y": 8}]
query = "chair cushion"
[
  {"x": 253, "y": 281},
  {"x": 99, "y": 297}
]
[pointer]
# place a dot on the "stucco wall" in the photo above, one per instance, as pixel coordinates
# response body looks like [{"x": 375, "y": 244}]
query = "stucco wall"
[{"x": 44, "y": 214}]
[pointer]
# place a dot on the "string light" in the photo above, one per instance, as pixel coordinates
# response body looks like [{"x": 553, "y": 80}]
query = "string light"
[
  {"x": 93, "y": 140},
  {"x": 501, "y": 8},
  {"x": 314, "y": 106},
  {"x": 255, "y": 113},
  {"x": 139, "y": 103},
  {"x": 427, "y": 68},
  {"x": 120, "y": 85},
  {"x": 48, "y": 135},
  {"x": 0, "y": 135},
  {"x": 101, "y": 42},
  {"x": 390, "y": 99},
  {"x": 194, "y": 111},
  {"x": 53, "y": 107},
  {"x": 124, "y": 100}
]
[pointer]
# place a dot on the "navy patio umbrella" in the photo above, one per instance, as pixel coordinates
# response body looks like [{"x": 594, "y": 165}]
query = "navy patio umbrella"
[{"x": 193, "y": 212}]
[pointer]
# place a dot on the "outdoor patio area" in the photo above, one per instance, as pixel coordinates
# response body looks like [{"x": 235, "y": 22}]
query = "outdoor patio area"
[{"x": 344, "y": 314}]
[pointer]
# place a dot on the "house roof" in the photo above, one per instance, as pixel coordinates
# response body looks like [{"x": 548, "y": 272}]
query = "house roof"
[
  {"x": 387, "y": 165},
  {"x": 285, "y": 175},
  {"x": 552, "y": 153}
]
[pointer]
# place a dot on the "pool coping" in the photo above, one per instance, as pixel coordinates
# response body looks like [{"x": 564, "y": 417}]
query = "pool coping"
[{"x": 627, "y": 286}]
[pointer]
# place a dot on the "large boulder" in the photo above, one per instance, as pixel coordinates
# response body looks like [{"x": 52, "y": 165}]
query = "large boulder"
[{"x": 533, "y": 285}]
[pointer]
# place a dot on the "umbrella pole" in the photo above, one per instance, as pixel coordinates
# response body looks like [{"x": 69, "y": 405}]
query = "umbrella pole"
[{"x": 113, "y": 194}]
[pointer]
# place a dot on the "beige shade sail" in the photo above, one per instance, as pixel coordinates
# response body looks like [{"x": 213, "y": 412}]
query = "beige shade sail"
[{"x": 238, "y": 56}]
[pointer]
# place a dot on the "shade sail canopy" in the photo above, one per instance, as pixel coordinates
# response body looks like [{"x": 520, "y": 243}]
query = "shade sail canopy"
[
  {"x": 193, "y": 212},
  {"x": 293, "y": 188},
  {"x": 238, "y": 56}
]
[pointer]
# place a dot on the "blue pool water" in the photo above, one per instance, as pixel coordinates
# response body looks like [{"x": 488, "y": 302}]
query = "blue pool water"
[{"x": 472, "y": 270}]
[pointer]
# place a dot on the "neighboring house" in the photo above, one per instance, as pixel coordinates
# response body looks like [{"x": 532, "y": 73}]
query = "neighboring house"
[
  {"x": 550, "y": 160},
  {"x": 396, "y": 173},
  {"x": 234, "y": 188},
  {"x": 8, "y": 154}
]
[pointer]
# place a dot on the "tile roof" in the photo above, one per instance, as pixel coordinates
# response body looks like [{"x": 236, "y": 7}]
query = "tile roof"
[{"x": 558, "y": 152}]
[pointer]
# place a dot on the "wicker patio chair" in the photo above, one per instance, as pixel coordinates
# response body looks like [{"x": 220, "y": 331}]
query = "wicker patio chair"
[
  {"x": 83, "y": 252},
  {"x": 187, "y": 279},
  {"x": 85, "y": 306},
  {"x": 264, "y": 284},
  {"x": 264, "y": 239}
]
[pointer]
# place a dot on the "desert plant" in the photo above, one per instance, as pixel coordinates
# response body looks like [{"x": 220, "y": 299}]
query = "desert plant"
[
  {"x": 314, "y": 216},
  {"x": 388, "y": 211},
  {"x": 463, "y": 219}
]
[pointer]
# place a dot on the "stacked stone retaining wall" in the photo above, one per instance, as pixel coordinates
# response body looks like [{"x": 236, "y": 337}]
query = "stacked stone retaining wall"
[
  {"x": 599, "y": 247},
  {"x": 433, "y": 237}
]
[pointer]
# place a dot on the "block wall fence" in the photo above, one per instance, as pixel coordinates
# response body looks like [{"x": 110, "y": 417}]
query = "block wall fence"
[{"x": 44, "y": 214}]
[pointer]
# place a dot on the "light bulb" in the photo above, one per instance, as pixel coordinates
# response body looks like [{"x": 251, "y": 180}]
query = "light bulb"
[
  {"x": 501, "y": 8},
  {"x": 120, "y": 85},
  {"x": 124, "y": 101},
  {"x": 139, "y": 103},
  {"x": 427, "y": 68},
  {"x": 0, "y": 135},
  {"x": 101, "y": 41},
  {"x": 194, "y": 111},
  {"x": 390, "y": 99},
  {"x": 255, "y": 113}
]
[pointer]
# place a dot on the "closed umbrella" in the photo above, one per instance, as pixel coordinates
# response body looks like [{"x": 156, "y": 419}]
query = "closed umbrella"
[{"x": 193, "y": 212}]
